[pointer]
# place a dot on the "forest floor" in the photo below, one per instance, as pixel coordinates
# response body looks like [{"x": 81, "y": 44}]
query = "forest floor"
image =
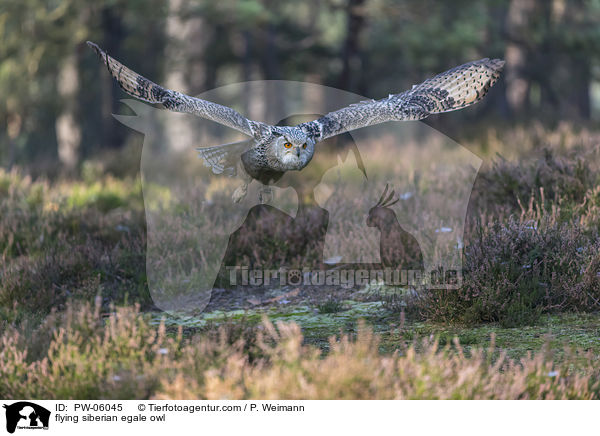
[
  {"x": 320, "y": 320},
  {"x": 75, "y": 300}
]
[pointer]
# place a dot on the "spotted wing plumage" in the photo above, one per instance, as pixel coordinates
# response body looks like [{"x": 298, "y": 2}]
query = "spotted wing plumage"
[
  {"x": 148, "y": 91},
  {"x": 454, "y": 89}
]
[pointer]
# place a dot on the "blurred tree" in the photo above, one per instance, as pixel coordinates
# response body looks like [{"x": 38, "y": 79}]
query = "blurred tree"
[
  {"x": 187, "y": 37},
  {"x": 56, "y": 104},
  {"x": 352, "y": 54},
  {"x": 518, "y": 83},
  {"x": 36, "y": 35},
  {"x": 550, "y": 56},
  {"x": 50, "y": 95},
  {"x": 68, "y": 130}
]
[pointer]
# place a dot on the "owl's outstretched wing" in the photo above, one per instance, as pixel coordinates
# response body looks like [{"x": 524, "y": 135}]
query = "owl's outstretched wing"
[
  {"x": 454, "y": 89},
  {"x": 143, "y": 89}
]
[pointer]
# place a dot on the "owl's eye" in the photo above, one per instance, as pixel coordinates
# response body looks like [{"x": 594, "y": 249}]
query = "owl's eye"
[
  {"x": 287, "y": 145},
  {"x": 304, "y": 145}
]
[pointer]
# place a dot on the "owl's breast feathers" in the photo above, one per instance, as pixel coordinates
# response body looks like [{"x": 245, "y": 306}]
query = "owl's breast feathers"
[{"x": 261, "y": 165}]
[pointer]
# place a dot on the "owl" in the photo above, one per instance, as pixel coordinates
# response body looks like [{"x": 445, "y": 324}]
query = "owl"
[{"x": 273, "y": 150}]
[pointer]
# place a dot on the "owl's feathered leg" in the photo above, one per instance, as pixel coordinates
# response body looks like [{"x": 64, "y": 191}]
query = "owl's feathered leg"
[{"x": 241, "y": 191}]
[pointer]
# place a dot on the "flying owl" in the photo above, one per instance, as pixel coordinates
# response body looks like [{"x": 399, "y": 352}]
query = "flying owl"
[{"x": 273, "y": 150}]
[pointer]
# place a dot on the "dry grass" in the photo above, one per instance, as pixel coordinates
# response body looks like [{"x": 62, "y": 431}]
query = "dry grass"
[{"x": 83, "y": 353}]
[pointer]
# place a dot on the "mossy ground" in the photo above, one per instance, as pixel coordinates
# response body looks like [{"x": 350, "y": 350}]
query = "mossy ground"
[{"x": 559, "y": 333}]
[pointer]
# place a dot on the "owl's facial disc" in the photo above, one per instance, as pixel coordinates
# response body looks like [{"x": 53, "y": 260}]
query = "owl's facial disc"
[
  {"x": 293, "y": 151},
  {"x": 292, "y": 147}
]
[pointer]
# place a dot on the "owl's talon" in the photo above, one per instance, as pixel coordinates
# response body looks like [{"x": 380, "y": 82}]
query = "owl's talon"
[
  {"x": 239, "y": 193},
  {"x": 265, "y": 195}
]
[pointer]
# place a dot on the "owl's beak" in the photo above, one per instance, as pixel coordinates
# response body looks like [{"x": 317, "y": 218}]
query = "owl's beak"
[{"x": 298, "y": 151}]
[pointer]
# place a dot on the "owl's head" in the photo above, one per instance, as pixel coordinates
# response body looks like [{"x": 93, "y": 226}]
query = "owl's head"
[{"x": 292, "y": 148}]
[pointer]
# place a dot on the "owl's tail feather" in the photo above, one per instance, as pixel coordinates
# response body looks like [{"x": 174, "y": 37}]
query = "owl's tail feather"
[
  {"x": 459, "y": 87},
  {"x": 223, "y": 159}
]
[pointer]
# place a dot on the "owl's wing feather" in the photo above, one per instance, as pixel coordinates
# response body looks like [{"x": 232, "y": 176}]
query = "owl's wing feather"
[
  {"x": 145, "y": 90},
  {"x": 454, "y": 89},
  {"x": 223, "y": 159}
]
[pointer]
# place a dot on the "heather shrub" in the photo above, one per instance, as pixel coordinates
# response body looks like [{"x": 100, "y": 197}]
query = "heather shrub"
[
  {"x": 76, "y": 270},
  {"x": 587, "y": 213},
  {"x": 531, "y": 243},
  {"x": 69, "y": 242},
  {"x": 503, "y": 186},
  {"x": 354, "y": 369},
  {"x": 84, "y": 353},
  {"x": 517, "y": 270}
]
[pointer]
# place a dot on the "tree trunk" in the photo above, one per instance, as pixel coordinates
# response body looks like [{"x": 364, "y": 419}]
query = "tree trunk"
[
  {"x": 351, "y": 54},
  {"x": 114, "y": 34},
  {"x": 271, "y": 71},
  {"x": 578, "y": 74},
  {"x": 185, "y": 69},
  {"x": 517, "y": 81},
  {"x": 68, "y": 130}
]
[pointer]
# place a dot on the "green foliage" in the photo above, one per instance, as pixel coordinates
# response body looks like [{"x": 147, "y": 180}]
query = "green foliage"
[
  {"x": 37, "y": 38},
  {"x": 105, "y": 195},
  {"x": 332, "y": 305}
]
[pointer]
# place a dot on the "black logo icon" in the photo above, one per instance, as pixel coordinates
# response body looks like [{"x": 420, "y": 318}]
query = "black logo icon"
[{"x": 26, "y": 415}]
